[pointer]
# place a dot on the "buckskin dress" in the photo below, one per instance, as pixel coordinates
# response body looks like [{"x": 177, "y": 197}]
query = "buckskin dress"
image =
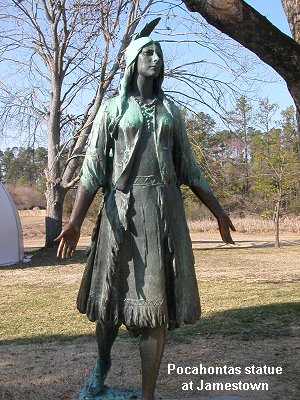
[{"x": 140, "y": 271}]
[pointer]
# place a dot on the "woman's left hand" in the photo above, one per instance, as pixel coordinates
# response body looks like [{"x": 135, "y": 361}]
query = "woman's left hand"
[{"x": 225, "y": 225}]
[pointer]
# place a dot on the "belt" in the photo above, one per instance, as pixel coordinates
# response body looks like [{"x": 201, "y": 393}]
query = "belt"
[{"x": 150, "y": 180}]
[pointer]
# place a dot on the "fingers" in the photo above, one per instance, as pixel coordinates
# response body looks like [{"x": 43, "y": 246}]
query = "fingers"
[
  {"x": 59, "y": 237},
  {"x": 69, "y": 250},
  {"x": 60, "y": 247},
  {"x": 68, "y": 239},
  {"x": 226, "y": 236},
  {"x": 224, "y": 228},
  {"x": 65, "y": 249},
  {"x": 231, "y": 226},
  {"x": 228, "y": 223},
  {"x": 61, "y": 240},
  {"x": 228, "y": 239}
]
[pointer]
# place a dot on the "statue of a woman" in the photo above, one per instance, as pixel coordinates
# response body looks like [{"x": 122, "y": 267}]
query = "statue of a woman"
[{"x": 140, "y": 270}]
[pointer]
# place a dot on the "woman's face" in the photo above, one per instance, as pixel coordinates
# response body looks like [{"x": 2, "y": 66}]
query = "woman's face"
[{"x": 150, "y": 61}]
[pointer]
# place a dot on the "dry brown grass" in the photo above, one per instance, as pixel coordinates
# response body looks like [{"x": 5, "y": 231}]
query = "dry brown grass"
[
  {"x": 34, "y": 226},
  {"x": 251, "y": 224},
  {"x": 26, "y": 197}
]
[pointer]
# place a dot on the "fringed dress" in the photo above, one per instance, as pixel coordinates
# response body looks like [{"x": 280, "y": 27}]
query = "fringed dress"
[{"x": 140, "y": 271}]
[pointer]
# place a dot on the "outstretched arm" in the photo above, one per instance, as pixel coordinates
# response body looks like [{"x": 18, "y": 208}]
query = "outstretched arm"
[
  {"x": 224, "y": 222},
  {"x": 189, "y": 173},
  {"x": 70, "y": 233}
]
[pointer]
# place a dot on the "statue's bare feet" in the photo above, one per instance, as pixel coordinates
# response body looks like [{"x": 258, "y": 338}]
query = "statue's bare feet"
[{"x": 95, "y": 383}]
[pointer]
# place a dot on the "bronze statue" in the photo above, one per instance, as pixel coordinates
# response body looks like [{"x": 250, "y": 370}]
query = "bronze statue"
[{"x": 140, "y": 270}]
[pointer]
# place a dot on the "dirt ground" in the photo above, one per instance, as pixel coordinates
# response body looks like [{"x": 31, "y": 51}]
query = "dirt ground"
[{"x": 57, "y": 370}]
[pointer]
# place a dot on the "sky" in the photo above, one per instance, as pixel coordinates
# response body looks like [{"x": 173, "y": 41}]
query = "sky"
[
  {"x": 273, "y": 11},
  {"x": 275, "y": 91},
  {"x": 266, "y": 82}
]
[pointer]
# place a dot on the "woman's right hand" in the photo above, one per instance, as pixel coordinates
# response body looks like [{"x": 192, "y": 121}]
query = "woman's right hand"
[
  {"x": 68, "y": 238},
  {"x": 225, "y": 226}
]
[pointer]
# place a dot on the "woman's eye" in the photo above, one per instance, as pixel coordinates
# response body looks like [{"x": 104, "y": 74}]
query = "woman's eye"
[{"x": 150, "y": 53}]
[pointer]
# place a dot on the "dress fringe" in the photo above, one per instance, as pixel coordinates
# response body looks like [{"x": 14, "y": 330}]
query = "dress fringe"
[
  {"x": 151, "y": 313},
  {"x": 104, "y": 287}
]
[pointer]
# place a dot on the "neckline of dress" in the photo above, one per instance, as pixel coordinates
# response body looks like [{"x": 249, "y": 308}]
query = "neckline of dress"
[{"x": 145, "y": 103}]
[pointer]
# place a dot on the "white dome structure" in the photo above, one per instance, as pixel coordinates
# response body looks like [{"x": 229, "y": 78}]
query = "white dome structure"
[{"x": 11, "y": 238}]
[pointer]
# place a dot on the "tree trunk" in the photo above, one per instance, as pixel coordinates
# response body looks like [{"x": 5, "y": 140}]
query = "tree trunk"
[
  {"x": 298, "y": 133},
  {"x": 55, "y": 193},
  {"x": 55, "y": 197},
  {"x": 78, "y": 150},
  {"x": 292, "y": 12},
  {"x": 276, "y": 221}
]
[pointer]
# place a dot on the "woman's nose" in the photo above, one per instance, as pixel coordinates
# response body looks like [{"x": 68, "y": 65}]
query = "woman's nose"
[{"x": 156, "y": 57}]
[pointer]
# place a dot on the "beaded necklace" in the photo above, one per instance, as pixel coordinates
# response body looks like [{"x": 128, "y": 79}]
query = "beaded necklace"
[{"x": 148, "y": 112}]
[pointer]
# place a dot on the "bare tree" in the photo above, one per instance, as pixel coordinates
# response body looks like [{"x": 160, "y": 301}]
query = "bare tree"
[
  {"x": 62, "y": 57},
  {"x": 257, "y": 34},
  {"x": 205, "y": 69},
  {"x": 66, "y": 49}
]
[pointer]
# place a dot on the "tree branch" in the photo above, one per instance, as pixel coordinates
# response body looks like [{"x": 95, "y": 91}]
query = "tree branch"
[{"x": 257, "y": 34}]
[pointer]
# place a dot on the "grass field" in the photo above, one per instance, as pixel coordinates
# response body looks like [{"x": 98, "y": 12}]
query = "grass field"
[
  {"x": 251, "y": 316},
  {"x": 245, "y": 292}
]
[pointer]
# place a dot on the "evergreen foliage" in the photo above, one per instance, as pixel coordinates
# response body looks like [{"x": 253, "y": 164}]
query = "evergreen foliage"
[{"x": 253, "y": 166}]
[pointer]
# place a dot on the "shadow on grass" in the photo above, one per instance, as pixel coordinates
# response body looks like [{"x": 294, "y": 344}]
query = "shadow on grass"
[
  {"x": 47, "y": 257},
  {"x": 251, "y": 323},
  {"x": 267, "y": 321}
]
